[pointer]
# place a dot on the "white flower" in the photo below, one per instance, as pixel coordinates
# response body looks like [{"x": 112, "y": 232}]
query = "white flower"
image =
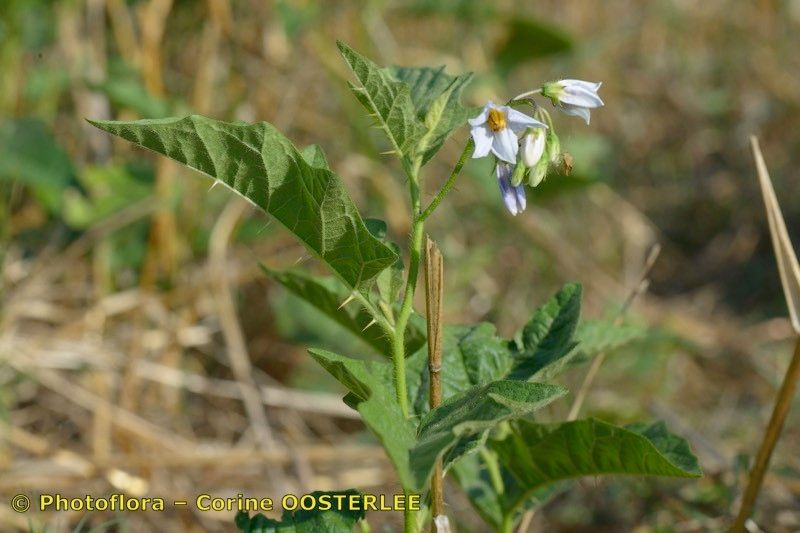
[
  {"x": 532, "y": 147},
  {"x": 513, "y": 197},
  {"x": 574, "y": 97},
  {"x": 496, "y": 129}
]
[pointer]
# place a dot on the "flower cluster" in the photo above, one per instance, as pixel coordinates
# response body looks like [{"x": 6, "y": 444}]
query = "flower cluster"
[{"x": 525, "y": 147}]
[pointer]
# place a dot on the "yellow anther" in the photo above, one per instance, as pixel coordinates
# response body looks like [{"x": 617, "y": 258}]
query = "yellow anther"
[{"x": 496, "y": 120}]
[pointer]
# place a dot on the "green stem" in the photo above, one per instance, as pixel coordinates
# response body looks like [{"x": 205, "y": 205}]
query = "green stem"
[
  {"x": 451, "y": 180},
  {"x": 409, "y": 518},
  {"x": 407, "y": 306},
  {"x": 524, "y": 95},
  {"x": 508, "y": 524},
  {"x": 493, "y": 469},
  {"x": 398, "y": 344}
]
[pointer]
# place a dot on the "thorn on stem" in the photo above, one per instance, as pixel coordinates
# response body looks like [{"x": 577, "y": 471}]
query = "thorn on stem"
[{"x": 348, "y": 300}]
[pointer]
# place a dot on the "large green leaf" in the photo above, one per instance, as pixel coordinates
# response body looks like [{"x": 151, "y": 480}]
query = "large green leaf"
[
  {"x": 387, "y": 99},
  {"x": 541, "y": 454},
  {"x": 338, "y": 519},
  {"x": 328, "y": 295},
  {"x": 539, "y": 460},
  {"x": 473, "y": 412},
  {"x": 259, "y": 163},
  {"x": 437, "y": 102},
  {"x": 372, "y": 394}
]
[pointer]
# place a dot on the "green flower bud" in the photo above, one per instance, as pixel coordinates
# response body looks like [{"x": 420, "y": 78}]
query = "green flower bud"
[{"x": 519, "y": 174}]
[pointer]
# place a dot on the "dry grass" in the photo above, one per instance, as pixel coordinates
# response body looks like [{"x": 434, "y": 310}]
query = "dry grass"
[{"x": 181, "y": 381}]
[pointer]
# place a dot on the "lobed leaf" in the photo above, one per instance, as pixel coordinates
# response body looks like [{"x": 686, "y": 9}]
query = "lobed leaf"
[
  {"x": 387, "y": 99},
  {"x": 417, "y": 107},
  {"x": 541, "y": 454},
  {"x": 260, "y": 164},
  {"x": 437, "y": 102}
]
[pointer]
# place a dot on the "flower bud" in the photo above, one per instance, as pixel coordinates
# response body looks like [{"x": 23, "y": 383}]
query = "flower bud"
[
  {"x": 533, "y": 145},
  {"x": 539, "y": 172}
]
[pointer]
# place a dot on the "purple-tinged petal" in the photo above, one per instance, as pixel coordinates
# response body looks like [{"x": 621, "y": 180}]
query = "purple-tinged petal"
[
  {"x": 522, "y": 202},
  {"x": 507, "y": 192}
]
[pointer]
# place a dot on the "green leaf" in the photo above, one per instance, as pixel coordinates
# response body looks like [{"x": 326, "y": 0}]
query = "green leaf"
[
  {"x": 260, "y": 164},
  {"x": 387, "y": 99},
  {"x": 339, "y": 519},
  {"x": 541, "y": 454},
  {"x": 315, "y": 157},
  {"x": 390, "y": 281},
  {"x": 473, "y": 412},
  {"x": 372, "y": 395},
  {"x": 547, "y": 337},
  {"x": 376, "y": 227},
  {"x": 437, "y": 102}
]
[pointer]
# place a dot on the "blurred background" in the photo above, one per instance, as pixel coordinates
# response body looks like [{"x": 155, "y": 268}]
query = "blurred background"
[{"x": 129, "y": 290}]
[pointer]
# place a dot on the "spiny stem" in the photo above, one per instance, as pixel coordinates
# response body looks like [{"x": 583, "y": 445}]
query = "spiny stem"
[
  {"x": 451, "y": 180},
  {"x": 398, "y": 342},
  {"x": 782, "y": 404},
  {"x": 407, "y": 306}
]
